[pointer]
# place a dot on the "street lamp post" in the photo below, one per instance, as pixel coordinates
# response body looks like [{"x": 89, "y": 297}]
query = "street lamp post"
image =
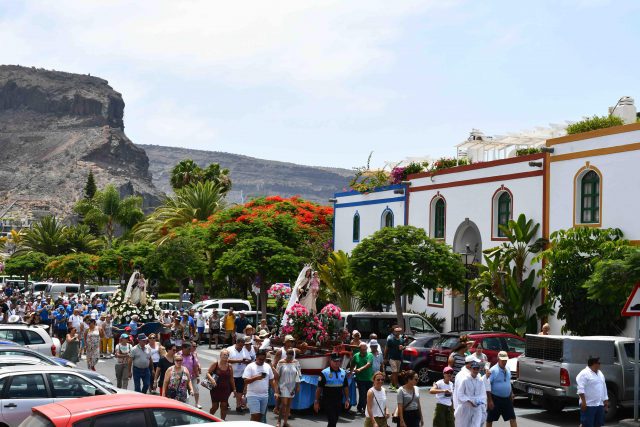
[{"x": 466, "y": 254}]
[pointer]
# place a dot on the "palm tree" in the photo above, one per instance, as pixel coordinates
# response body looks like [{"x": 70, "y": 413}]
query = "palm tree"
[
  {"x": 107, "y": 209},
  {"x": 185, "y": 173},
  {"x": 194, "y": 202},
  {"x": 46, "y": 236},
  {"x": 339, "y": 282},
  {"x": 80, "y": 239}
]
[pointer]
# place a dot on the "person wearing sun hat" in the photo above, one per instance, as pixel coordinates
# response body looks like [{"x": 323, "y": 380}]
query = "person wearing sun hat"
[
  {"x": 443, "y": 414},
  {"x": 472, "y": 398},
  {"x": 140, "y": 363},
  {"x": 500, "y": 397}
]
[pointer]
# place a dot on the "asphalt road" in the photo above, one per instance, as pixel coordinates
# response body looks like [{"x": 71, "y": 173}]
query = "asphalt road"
[{"x": 527, "y": 413}]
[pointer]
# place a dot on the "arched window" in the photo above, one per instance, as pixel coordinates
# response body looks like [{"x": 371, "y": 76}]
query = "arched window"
[
  {"x": 590, "y": 198},
  {"x": 356, "y": 227},
  {"x": 439, "y": 219},
  {"x": 387, "y": 218},
  {"x": 504, "y": 211}
]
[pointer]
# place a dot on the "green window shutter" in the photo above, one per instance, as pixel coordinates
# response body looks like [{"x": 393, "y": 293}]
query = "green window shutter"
[
  {"x": 590, "y": 198},
  {"x": 439, "y": 220},
  {"x": 504, "y": 211},
  {"x": 356, "y": 227}
]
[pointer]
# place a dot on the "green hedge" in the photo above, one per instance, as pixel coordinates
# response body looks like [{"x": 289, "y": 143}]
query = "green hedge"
[{"x": 593, "y": 123}]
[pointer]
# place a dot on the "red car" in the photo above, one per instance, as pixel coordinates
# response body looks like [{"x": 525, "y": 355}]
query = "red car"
[
  {"x": 492, "y": 344},
  {"x": 117, "y": 410}
]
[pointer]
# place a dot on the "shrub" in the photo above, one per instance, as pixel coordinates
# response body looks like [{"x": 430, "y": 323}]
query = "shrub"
[
  {"x": 527, "y": 151},
  {"x": 593, "y": 123}
]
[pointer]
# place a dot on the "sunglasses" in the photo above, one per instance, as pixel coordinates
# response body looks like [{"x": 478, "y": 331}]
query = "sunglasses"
[{"x": 177, "y": 360}]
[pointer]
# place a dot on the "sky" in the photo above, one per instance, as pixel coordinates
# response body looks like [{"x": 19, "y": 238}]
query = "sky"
[{"x": 327, "y": 82}]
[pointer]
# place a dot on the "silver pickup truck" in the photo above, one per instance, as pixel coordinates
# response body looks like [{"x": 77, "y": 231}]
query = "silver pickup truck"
[{"x": 547, "y": 371}]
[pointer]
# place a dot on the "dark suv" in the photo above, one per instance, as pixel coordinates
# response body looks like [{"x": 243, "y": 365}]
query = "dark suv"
[
  {"x": 492, "y": 343},
  {"x": 415, "y": 356}
]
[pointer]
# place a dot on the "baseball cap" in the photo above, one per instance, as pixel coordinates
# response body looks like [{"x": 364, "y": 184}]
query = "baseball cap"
[
  {"x": 289, "y": 338},
  {"x": 469, "y": 359},
  {"x": 142, "y": 337},
  {"x": 335, "y": 356},
  {"x": 373, "y": 343},
  {"x": 503, "y": 355},
  {"x": 448, "y": 369},
  {"x": 124, "y": 336}
]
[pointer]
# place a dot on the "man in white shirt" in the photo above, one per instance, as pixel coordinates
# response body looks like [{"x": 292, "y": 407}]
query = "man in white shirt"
[
  {"x": 76, "y": 319},
  {"x": 472, "y": 399},
  {"x": 238, "y": 358},
  {"x": 592, "y": 390},
  {"x": 257, "y": 377},
  {"x": 200, "y": 322}
]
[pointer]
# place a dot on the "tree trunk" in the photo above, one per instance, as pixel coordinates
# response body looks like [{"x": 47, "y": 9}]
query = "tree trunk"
[
  {"x": 397, "y": 296},
  {"x": 263, "y": 301}
]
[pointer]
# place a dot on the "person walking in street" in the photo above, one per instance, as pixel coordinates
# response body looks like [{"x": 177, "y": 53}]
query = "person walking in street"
[
  {"x": 229, "y": 322},
  {"x": 238, "y": 358},
  {"x": 500, "y": 396},
  {"x": 288, "y": 377},
  {"x": 200, "y": 320},
  {"x": 471, "y": 397},
  {"x": 191, "y": 362},
  {"x": 333, "y": 387},
  {"x": 457, "y": 358},
  {"x": 72, "y": 346},
  {"x": 165, "y": 362},
  {"x": 106, "y": 343},
  {"x": 240, "y": 324},
  {"x": 393, "y": 355},
  {"x": 378, "y": 359},
  {"x": 409, "y": 409},
  {"x": 92, "y": 337},
  {"x": 177, "y": 332},
  {"x": 123, "y": 352},
  {"x": 214, "y": 328},
  {"x": 592, "y": 390},
  {"x": 177, "y": 381},
  {"x": 362, "y": 368},
  {"x": 257, "y": 377},
  {"x": 220, "y": 374},
  {"x": 377, "y": 411},
  {"x": 140, "y": 362},
  {"x": 154, "y": 350},
  {"x": 443, "y": 389}
]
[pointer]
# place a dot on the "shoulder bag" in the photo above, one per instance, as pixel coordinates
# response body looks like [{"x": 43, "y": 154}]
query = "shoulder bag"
[{"x": 395, "y": 418}]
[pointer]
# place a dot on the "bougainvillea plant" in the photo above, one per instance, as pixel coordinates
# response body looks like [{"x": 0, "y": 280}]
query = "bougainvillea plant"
[{"x": 304, "y": 326}]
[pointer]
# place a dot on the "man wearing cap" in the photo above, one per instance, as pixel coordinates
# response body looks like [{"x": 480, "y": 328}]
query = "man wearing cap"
[
  {"x": 464, "y": 372},
  {"x": 500, "y": 396},
  {"x": 140, "y": 363},
  {"x": 123, "y": 351},
  {"x": 443, "y": 415},
  {"x": 238, "y": 358},
  {"x": 472, "y": 397},
  {"x": 378, "y": 359},
  {"x": 333, "y": 387}
]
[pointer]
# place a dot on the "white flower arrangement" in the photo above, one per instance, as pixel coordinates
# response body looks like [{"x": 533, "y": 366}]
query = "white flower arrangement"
[{"x": 122, "y": 311}]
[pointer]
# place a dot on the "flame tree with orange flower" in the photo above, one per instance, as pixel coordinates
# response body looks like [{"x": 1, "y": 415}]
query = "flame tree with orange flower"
[{"x": 267, "y": 240}]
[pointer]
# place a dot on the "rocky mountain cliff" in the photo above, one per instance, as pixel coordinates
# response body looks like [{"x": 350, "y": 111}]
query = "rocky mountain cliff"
[
  {"x": 54, "y": 128},
  {"x": 250, "y": 176}
]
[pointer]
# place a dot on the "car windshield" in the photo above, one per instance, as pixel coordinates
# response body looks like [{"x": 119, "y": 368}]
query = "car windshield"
[
  {"x": 447, "y": 342},
  {"x": 109, "y": 387},
  {"x": 36, "y": 420}
]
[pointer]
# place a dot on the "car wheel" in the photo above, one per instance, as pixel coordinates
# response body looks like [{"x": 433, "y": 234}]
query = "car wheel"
[
  {"x": 613, "y": 404},
  {"x": 423, "y": 375},
  {"x": 552, "y": 405}
]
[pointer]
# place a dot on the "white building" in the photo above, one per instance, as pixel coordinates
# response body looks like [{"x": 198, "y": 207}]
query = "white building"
[{"x": 582, "y": 180}]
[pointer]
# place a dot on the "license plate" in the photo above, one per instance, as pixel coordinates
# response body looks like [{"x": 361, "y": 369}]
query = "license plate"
[
  {"x": 441, "y": 358},
  {"x": 535, "y": 391}
]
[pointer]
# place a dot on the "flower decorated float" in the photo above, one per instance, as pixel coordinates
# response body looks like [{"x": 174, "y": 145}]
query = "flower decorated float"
[{"x": 135, "y": 301}]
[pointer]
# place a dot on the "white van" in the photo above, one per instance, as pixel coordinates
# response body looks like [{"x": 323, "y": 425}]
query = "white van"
[
  {"x": 55, "y": 289},
  {"x": 209, "y": 305}
]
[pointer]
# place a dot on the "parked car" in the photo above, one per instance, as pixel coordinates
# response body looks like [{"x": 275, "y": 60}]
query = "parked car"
[
  {"x": 34, "y": 337},
  {"x": 18, "y": 351},
  {"x": 231, "y": 424},
  {"x": 547, "y": 372},
  {"x": 117, "y": 410},
  {"x": 173, "y": 304},
  {"x": 492, "y": 343},
  {"x": 367, "y": 322},
  {"x": 253, "y": 316},
  {"x": 29, "y": 386},
  {"x": 415, "y": 356}
]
